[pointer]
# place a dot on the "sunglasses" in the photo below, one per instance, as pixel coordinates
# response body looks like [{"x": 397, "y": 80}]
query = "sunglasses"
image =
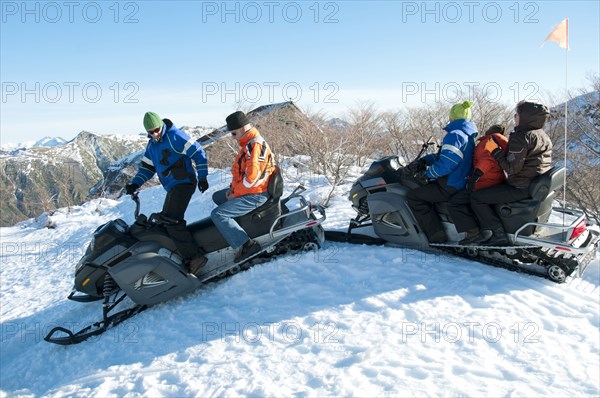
[
  {"x": 154, "y": 131},
  {"x": 236, "y": 132}
]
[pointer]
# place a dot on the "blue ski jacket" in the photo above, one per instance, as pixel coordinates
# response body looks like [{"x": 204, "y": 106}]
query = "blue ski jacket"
[
  {"x": 170, "y": 157},
  {"x": 455, "y": 158}
]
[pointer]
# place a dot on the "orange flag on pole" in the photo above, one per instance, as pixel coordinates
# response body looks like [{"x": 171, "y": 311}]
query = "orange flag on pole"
[{"x": 560, "y": 34}]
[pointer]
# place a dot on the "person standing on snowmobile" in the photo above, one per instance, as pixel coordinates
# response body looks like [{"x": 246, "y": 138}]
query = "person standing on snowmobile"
[
  {"x": 169, "y": 153},
  {"x": 447, "y": 172},
  {"x": 529, "y": 155},
  {"x": 486, "y": 173},
  {"x": 251, "y": 170}
]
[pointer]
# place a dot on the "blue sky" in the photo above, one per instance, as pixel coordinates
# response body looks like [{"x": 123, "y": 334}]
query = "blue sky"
[{"x": 72, "y": 66}]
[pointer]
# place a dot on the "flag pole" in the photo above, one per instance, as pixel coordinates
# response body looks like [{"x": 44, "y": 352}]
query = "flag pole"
[{"x": 566, "y": 116}]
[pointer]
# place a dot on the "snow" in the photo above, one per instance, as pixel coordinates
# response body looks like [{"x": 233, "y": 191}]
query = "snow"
[{"x": 347, "y": 320}]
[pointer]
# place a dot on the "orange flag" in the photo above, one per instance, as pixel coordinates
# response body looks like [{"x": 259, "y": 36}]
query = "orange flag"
[{"x": 560, "y": 34}]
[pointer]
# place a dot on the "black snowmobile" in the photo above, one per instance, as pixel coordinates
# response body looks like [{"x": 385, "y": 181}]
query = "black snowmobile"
[
  {"x": 141, "y": 261},
  {"x": 556, "y": 251}
]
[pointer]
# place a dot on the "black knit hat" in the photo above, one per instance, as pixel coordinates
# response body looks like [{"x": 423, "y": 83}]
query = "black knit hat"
[
  {"x": 495, "y": 129},
  {"x": 236, "y": 120}
]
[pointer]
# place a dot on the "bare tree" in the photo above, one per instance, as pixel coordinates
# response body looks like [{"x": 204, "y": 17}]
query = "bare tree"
[
  {"x": 487, "y": 112},
  {"x": 407, "y": 130},
  {"x": 366, "y": 131},
  {"x": 330, "y": 152}
]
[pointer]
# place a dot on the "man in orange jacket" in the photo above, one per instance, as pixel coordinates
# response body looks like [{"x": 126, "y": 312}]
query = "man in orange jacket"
[
  {"x": 486, "y": 173},
  {"x": 251, "y": 170}
]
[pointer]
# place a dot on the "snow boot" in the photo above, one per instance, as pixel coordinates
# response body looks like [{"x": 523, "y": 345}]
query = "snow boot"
[
  {"x": 474, "y": 235},
  {"x": 498, "y": 237},
  {"x": 196, "y": 264},
  {"x": 438, "y": 237},
  {"x": 247, "y": 250}
]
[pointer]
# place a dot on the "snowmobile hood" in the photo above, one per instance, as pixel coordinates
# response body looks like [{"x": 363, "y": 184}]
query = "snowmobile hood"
[
  {"x": 466, "y": 126},
  {"x": 532, "y": 116}
]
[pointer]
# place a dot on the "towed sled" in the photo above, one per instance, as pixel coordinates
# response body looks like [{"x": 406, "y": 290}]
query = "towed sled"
[
  {"x": 554, "y": 250},
  {"x": 141, "y": 261}
]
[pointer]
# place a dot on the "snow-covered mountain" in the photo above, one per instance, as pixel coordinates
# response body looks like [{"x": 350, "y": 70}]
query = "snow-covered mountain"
[
  {"x": 46, "y": 141},
  {"x": 10, "y": 147},
  {"x": 347, "y": 320},
  {"x": 50, "y": 141},
  {"x": 338, "y": 124},
  {"x": 43, "y": 177}
]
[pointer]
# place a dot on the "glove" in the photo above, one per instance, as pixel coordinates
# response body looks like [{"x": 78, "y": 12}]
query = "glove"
[
  {"x": 473, "y": 178},
  {"x": 491, "y": 145},
  {"x": 202, "y": 184},
  {"x": 422, "y": 178},
  {"x": 494, "y": 148},
  {"x": 417, "y": 165},
  {"x": 131, "y": 188}
]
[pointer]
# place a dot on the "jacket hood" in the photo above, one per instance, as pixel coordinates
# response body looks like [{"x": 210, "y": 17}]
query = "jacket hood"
[
  {"x": 532, "y": 116},
  {"x": 466, "y": 126}
]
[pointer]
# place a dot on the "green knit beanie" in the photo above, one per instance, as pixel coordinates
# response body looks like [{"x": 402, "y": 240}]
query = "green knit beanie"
[
  {"x": 461, "y": 111},
  {"x": 152, "y": 121}
]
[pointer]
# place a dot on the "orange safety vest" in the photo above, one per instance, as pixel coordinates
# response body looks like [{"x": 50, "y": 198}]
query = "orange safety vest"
[
  {"x": 253, "y": 165},
  {"x": 483, "y": 160}
]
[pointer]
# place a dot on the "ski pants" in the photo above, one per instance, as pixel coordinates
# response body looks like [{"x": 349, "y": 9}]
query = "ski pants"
[
  {"x": 172, "y": 215},
  {"x": 482, "y": 202},
  {"x": 459, "y": 207},
  {"x": 422, "y": 200}
]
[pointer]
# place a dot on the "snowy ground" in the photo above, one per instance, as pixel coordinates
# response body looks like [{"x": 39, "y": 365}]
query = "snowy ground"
[{"x": 347, "y": 320}]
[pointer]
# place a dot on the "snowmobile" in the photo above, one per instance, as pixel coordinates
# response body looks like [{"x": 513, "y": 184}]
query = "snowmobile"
[
  {"x": 556, "y": 251},
  {"x": 140, "y": 261}
]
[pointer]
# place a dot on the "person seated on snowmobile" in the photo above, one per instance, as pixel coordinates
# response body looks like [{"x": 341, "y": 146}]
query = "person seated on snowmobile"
[
  {"x": 251, "y": 170},
  {"x": 169, "y": 153},
  {"x": 486, "y": 173},
  {"x": 447, "y": 172},
  {"x": 529, "y": 155}
]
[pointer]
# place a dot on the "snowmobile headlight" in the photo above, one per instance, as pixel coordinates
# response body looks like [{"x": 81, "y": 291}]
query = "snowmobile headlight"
[{"x": 394, "y": 164}]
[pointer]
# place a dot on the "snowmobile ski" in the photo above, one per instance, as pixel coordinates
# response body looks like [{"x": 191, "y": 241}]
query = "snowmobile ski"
[{"x": 97, "y": 328}]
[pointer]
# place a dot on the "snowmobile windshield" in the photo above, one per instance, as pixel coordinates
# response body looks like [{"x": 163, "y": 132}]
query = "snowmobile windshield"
[{"x": 383, "y": 166}]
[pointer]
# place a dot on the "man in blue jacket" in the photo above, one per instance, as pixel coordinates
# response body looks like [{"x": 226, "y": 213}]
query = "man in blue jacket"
[
  {"x": 169, "y": 154},
  {"x": 447, "y": 172}
]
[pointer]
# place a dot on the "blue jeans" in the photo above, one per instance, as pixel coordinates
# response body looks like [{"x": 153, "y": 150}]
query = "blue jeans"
[{"x": 223, "y": 215}]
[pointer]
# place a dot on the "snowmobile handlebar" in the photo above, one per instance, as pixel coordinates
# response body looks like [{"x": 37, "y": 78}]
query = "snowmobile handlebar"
[
  {"x": 136, "y": 199},
  {"x": 424, "y": 147}
]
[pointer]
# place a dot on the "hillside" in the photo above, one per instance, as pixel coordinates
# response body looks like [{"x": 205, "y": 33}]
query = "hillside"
[{"x": 347, "y": 320}]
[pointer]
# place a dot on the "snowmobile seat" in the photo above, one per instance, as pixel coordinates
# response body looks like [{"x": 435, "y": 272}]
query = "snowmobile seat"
[
  {"x": 537, "y": 208},
  {"x": 256, "y": 223}
]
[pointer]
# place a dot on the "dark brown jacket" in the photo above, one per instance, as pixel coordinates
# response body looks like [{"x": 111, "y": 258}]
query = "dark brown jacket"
[{"x": 529, "y": 147}]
